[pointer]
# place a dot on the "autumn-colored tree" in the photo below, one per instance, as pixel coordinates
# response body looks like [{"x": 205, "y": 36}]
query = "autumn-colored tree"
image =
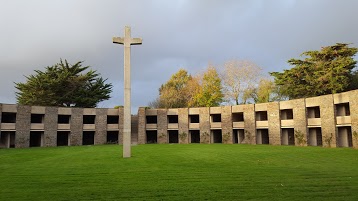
[
  {"x": 321, "y": 72},
  {"x": 173, "y": 94},
  {"x": 239, "y": 77},
  {"x": 210, "y": 93},
  {"x": 183, "y": 90},
  {"x": 193, "y": 88}
]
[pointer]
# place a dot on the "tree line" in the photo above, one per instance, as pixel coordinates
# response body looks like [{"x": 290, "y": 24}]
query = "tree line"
[{"x": 326, "y": 71}]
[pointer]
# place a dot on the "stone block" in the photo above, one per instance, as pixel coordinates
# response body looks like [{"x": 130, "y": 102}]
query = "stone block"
[
  {"x": 101, "y": 126},
  {"x": 9, "y": 108},
  {"x": 342, "y": 97},
  {"x": 353, "y": 106},
  {"x": 249, "y": 124},
  {"x": 226, "y": 125},
  {"x": 204, "y": 124},
  {"x": 141, "y": 126},
  {"x": 38, "y": 109},
  {"x": 261, "y": 107},
  {"x": 23, "y": 125},
  {"x": 300, "y": 122},
  {"x": 162, "y": 126},
  {"x": 274, "y": 123},
  {"x": 150, "y": 112},
  {"x": 64, "y": 111},
  {"x": 50, "y": 126},
  {"x": 172, "y": 111},
  {"x": 89, "y": 111},
  {"x": 183, "y": 121},
  {"x": 194, "y": 111},
  {"x": 328, "y": 120},
  {"x": 215, "y": 110},
  {"x": 112, "y": 111},
  {"x": 76, "y": 126}
]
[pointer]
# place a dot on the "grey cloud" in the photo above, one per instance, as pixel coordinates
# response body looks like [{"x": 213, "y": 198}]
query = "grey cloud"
[{"x": 176, "y": 34}]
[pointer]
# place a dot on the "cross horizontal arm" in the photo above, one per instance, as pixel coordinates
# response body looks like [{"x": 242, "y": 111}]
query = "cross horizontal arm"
[
  {"x": 136, "y": 41},
  {"x": 118, "y": 40}
]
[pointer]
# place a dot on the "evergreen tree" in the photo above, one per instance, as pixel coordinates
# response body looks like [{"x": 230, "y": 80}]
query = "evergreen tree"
[
  {"x": 321, "y": 72},
  {"x": 63, "y": 85}
]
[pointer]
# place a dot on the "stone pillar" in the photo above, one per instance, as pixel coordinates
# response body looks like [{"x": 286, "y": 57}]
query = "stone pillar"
[
  {"x": 121, "y": 125},
  {"x": 141, "y": 125},
  {"x": 249, "y": 124},
  {"x": 353, "y": 106},
  {"x": 162, "y": 123},
  {"x": 274, "y": 123},
  {"x": 23, "y": 126},
  {"x": 101, "y": 126},
  {"x": 50, "y": 127},
  {"x": 204, "y": 124},
  {"x": 328, "y": 121},
  {"x": 226, "y": 124},
  {"x": 76, "y": 126},
  {"x": 183, "y": 121},
  {"x": 300, "y": 121}
]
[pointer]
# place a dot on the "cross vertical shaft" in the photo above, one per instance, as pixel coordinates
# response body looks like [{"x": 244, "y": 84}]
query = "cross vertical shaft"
[{"x": 127, "y": 41}]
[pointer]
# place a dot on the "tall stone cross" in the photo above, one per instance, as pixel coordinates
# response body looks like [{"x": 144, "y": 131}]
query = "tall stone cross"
[{"x": 127, "y": 41}]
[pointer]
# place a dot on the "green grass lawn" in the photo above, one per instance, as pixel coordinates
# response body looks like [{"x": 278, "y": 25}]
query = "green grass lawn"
[{"x": 179, "y": 172}]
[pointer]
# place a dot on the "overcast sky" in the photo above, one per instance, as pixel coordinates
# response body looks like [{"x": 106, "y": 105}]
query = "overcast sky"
[{"x": 176, "y": 34}]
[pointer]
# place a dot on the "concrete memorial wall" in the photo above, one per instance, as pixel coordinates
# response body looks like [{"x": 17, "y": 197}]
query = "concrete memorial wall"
[{"x": 328, "y": 121}]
